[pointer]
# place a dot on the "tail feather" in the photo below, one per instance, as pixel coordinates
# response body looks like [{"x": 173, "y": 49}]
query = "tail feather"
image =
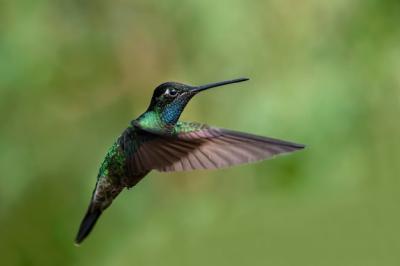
[{"x": 87, "y": 224}]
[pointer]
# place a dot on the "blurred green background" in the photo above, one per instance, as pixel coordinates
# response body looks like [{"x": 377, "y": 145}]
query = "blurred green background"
[{"x": 324, "y": 73}]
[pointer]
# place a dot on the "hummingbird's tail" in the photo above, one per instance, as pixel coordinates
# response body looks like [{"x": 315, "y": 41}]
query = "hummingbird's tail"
[
  {"x": 103, "y": 195},
  {"x": 92, "y": 215}
]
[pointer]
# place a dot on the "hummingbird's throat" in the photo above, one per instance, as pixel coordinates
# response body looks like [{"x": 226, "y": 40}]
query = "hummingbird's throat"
[
  {"x": 162, "y": 116},
  {"x": 155, "y": 122}
]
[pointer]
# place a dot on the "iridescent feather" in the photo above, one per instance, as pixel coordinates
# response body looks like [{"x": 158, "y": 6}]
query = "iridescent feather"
[{"x": 157, "y": 141}]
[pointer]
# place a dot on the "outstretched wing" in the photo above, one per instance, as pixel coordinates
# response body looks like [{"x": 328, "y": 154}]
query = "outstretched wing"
[{"x": 198, "y": 146}]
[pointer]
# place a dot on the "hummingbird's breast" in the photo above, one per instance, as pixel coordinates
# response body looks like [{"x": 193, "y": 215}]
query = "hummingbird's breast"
[
  {"x": 117, "y": 166},
  {"x": 113, "y": 165}
]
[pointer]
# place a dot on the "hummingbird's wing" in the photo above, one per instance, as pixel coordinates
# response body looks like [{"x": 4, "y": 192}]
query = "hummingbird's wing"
[{"x": 198, "y": 146}]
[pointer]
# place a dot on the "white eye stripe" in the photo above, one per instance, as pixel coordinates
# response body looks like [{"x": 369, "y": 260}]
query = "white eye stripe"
[{"x": 171, "y": 92}]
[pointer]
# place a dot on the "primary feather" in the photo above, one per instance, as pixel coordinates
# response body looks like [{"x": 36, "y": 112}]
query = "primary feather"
[
  {"x": 198, "y": 146},
  {"x": 157, "y": 141}
]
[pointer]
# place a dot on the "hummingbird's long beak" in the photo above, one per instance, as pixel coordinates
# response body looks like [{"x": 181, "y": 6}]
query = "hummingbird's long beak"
[{"x": 216, "y": 84}]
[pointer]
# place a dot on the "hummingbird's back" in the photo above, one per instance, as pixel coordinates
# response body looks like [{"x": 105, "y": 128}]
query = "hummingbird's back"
[{"x": 157, "y": 141}]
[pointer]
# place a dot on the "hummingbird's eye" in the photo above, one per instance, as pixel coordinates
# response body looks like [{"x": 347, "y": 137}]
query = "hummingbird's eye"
[{"x": 171, "y": 92}]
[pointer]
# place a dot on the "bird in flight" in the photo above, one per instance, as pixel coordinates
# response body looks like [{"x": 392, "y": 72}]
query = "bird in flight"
[{"x": 156, "y": 140}]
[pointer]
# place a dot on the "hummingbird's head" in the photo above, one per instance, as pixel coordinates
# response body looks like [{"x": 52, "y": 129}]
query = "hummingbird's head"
[{"x": 170, "y": 98}]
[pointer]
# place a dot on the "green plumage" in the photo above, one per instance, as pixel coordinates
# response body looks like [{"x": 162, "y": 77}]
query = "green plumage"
[
  {"x": 113, "y": 162},
  {"x": 156, "y": 140},
  {"x": 112, "y": 170},
  {"x": 187, "y": 127}
]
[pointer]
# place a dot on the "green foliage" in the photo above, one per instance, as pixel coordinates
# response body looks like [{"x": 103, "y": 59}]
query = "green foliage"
[{"x": 324, "y": 73}]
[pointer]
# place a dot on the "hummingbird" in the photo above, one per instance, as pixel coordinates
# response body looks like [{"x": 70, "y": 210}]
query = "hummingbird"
[{"x": 157, "y": 140}]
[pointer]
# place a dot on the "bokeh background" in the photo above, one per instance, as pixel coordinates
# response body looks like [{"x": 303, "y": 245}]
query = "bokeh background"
[{"x": 324, "y": 73}]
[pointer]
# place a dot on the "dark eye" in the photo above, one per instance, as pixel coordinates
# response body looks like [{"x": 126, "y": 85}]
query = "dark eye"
[{"x": 171, "y": 92}]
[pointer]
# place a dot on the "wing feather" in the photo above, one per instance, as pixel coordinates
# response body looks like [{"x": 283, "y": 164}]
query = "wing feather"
[{"x": 198, "y": 146}]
